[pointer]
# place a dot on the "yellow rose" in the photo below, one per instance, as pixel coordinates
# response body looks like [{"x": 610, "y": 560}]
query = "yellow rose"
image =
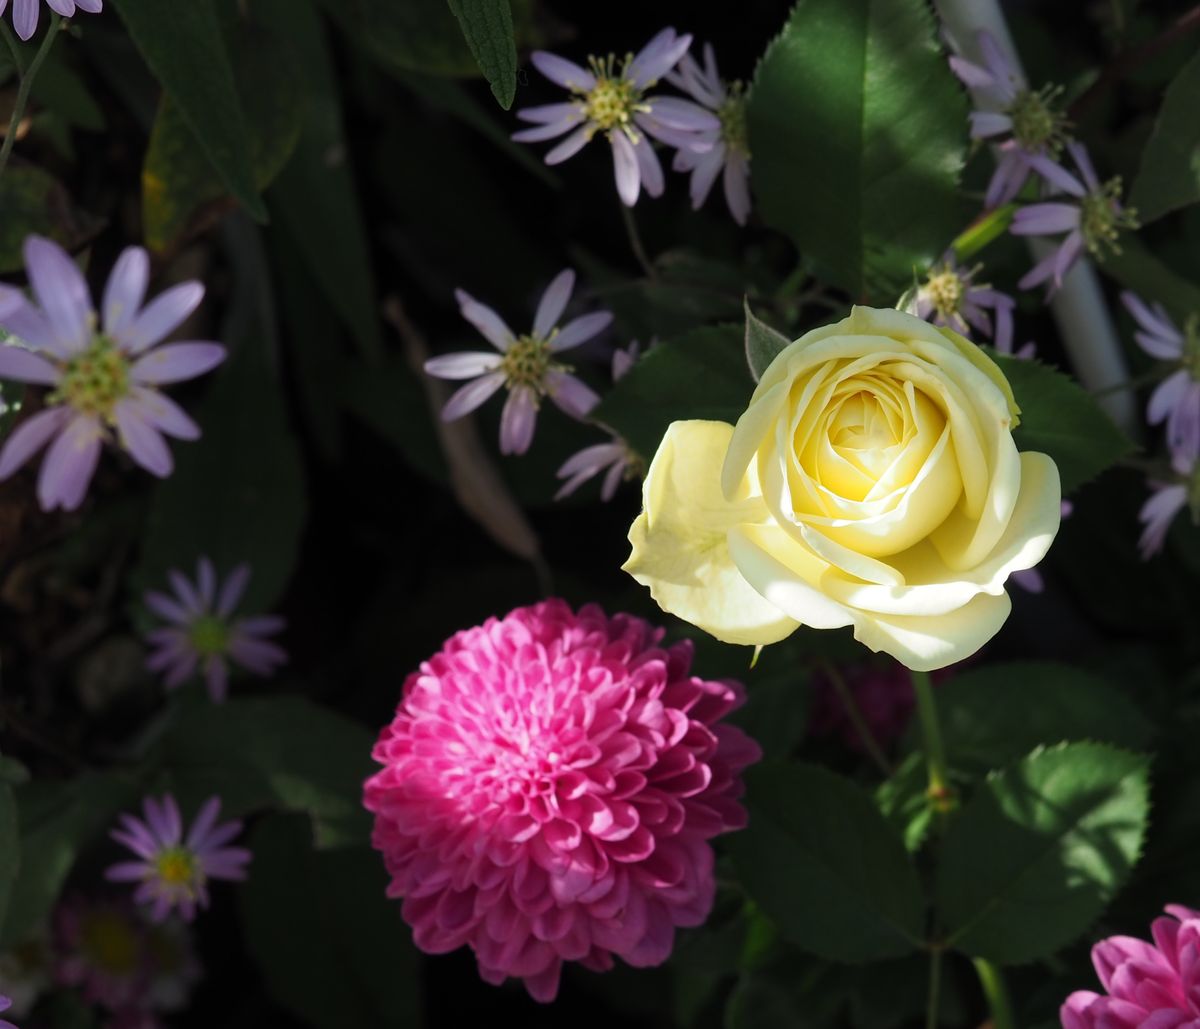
[{"x": 872, "y": 482}]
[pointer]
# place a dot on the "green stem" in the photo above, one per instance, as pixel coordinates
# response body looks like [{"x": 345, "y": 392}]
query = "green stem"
[
  {"x": 635, "y": 241},
  {"x": 874, "y": 751},
  {"x": 935, "y": 988},
  {"x": 935, "y": 751},
  {"x": 994, "y": 990},
  {"x": 27, "y": 76}
]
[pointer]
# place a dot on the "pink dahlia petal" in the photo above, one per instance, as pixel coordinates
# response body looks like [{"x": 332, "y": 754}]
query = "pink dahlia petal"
[
  {"x": 576, "y": 714},
  {"x": 126, "y": 289},
  {"x": 61, "y": 290},
  {"x": 177, "y": 362}
]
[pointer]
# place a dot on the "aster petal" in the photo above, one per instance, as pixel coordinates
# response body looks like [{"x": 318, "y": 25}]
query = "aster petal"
[
  {"x": 1157, "y": 324},
  {"x": 182, "y": 671},
  {"x": 1156, "y": 515},
  {"x": 29, "y": 437},
  {"x": 166, "y": 608},
  {"x": 258, "y": 656},
  {"x": 231, "y": 592},
  {"x": 545, "y": 114},
  {"x": 989, "y": 123},
  {"x": 490, "y": 325},
  {"x": 164, "y": 414},
  {"x": 126, "y": 289},
  {"x": 1040, "y": 272},
  {"x": 91, "y": 6},
  {"x": 159, "y": 318},
  {"x": 1167, "y": 396},
  {"x": 1012, "y": 169},
  {"x": 552, "y": 130},
  {"x": 467, "y": 398},
  {"x": 1083, "y": 162},
  {"x": 142, "y": 440},
  {"x": 563, "y": 72},
  {"x": 571, "y": 395},
  {"x": 580, "y": 330},
  {"x": 177, "y": 362},
  {"x": 612, "y": 481},
  {"x": 25, "y": 18},
  {"x": 1056, "y": 174},
  {"x": 649, "y": 167},
  {"x": 19, "y": 318},
  {"x": 61, "y": 291},
  {"x": 570, "y": 146},
  {"x": 206, "y": 582},
  {"x": 704, "y": 174},
  {"x": 737, "y": 188},
  {"x": 20, "y": 365},
  {"x": 518, "y": 421},
  {"x": 69, "y": 464},
  {"x": 626, "y": 169},
  {"x": 261, "y": 625},
  {"x": 553, "y": 303},
  {"x": 1070, "y": 250},
  {"x": 467, "y": 365},
  {"x": 658, "y": 57},
  {"x": 127, "y": 872},
  {"x": 971, "y": 74},
  {"x": 677, "y": 113},
  {"x": 216, "y": 678},
  {"x": 1045, "y": 219}
]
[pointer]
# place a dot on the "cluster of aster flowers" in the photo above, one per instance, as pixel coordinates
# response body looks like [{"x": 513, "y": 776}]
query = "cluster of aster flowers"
[{"x": 614, "y": 97}]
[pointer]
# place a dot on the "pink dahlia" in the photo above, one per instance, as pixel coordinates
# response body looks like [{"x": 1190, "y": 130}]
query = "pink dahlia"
[
  {"x": 1146, "y": 984},
  {"x": 550, "y": 784}
]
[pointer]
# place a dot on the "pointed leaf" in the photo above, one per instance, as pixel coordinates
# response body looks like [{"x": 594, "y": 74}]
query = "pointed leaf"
[
  {"x": 763, "y": 344},
  {"x": 1169, "y": 176},
  {"x": 487, "y": 26}
]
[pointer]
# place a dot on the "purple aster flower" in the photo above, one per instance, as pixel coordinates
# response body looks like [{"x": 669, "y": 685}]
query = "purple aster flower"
[
  {"x": 5, "y": 1004},
  {"x": 611, "y": 98},
  {"x": 729, "y": 145},
  {"x": 26, "y": 12},
  {"x": 105, "y": 376},
  {"x": 203, "y": 632},
  {"x": 949, "y": 296},
  {"x": 1167, "y": 499},
  {"x": 1024, "y": 124},
  {"x": 173, "y": 869},
  {"x": 525, "y": 365},
  {"x": 1094, "y": 221},
  {"x": 1176, "y": 400},
  {"x": 100, "y": 949}
]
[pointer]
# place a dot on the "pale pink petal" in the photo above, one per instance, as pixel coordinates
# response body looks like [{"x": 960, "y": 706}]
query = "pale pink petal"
[
  {"x": 126, "y": 289},
  {"x": 467, "y": 365},
  {"x": 553, "y": 303},
  {"x": 570, "y": 394},
  {"x": 162, "y": 316},
  {"x": 472, "y": 395},
  {"x": 487, "y": 321},
  {"x": 177, "y": 362},
  {"x": 580, "y": 330},
  {"x": 61, "y": 291}
]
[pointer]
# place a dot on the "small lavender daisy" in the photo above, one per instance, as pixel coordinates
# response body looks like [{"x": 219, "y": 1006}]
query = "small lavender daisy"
[
  {"x": 615, "y": 458},
  {"x": 949, "y": 296},
  {"x": 174, "y": 869},
  {"x": 611, "y": 98},
  {"x": 26, "y": 12},
  {"x": 1176, "y": 400},
  {"x": 1094, "y": 221},
  {"x": 202, "y": 631},
  {"x": 525, "y": 365},
  {"x": 1025, "y": 124},
  {"x": 1167, "y": 499},
  {"x": 5, "y": 1004},
  {"x": 105, "y": 377},
  {"x": 730, "y": 147}
]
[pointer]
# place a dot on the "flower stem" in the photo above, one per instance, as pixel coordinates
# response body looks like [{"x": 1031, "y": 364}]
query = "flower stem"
[
  {"x": 26, "y": 83},
  {"x": 854, "y": 713},
  {"x": 994, "y": 990},
  {"x": 935, "y": 988},
  {"x": 940, "y": 794},
  {"x": 635, "y": 241}
]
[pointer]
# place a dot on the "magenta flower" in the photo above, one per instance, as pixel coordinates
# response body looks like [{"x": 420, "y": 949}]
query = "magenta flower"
[
  {"x": 949, "y": 296},
  {"x": 729, "y": 147},
  {"x": 1176, "y": 400},
  {"x": 525, "y": 365},
  {"x": 105, "y": 380},
  {"x": 611, "y": 98},
  {"x": 1146, "y": 984},
  {"x": 550, "y": 784},
  {"x": 1167, "y": 499},
  {"x": 173, "y": 870},
  {"x": 5, "y": 1004},
  {"x": 26, "y": 12},
  {"x": 1094, "y": 221},
  {"x": 1024, "y": 124},
  {"x": 203, "y": 632}
]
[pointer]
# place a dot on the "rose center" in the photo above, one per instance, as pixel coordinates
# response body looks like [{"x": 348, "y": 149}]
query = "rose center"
[
  {"x": 209, "y": 635},
  {"x": 94, "y": 381},
  {"x": 1037, "y": 122},
  {"x": 1102, "y": 218},
  {"x": 732, "y": 114}
]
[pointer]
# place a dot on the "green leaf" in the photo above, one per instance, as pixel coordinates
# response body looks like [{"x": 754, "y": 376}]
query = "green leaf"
[
  {"x": 904, "y": 800},
  {"x": 858, "y": 131},
  {"x": 992, "y": 715},
  {"x": 31, "y": 202},
  {"x": 1136, "y": 268},
  {"x": 279, "y": 753},
  {"x": 763, "y": 344},
  {"x": 183, "y": 46},
  {"x": 1039, "y": 851},
  {"x": 315, "y": 197},
  {"x": 178, "y": 180},
  {"x": 821, "y": 861},
  {"x": 701, "y": 374},
  {"x": 1169, "y": 176},
  {"x": 416, "y": 35},
  {"x": 487, "y": 27},
  {"x": 1060, "y": 419},
  {"x": 331, "y": 945},
  {"x": 10, "y": 846},
  {"x": 57, "y": 822}
]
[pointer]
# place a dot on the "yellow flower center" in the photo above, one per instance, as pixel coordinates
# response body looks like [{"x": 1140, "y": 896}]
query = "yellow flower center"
[
  {"x": 94, "y": 380},
  {"x": 177, "y": 866},
  {"x": 945, "y": 290},
  {"x": 109, "y": 941},
  {"x": 209, "y": 635},
  {"x": 614, "y": 99},
  {"x": 733, "y": 121},
  {"x": 1102, "y": 218},
  {"x": 1037, "y": 122},
  {"x": 527, "y": 361}
]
